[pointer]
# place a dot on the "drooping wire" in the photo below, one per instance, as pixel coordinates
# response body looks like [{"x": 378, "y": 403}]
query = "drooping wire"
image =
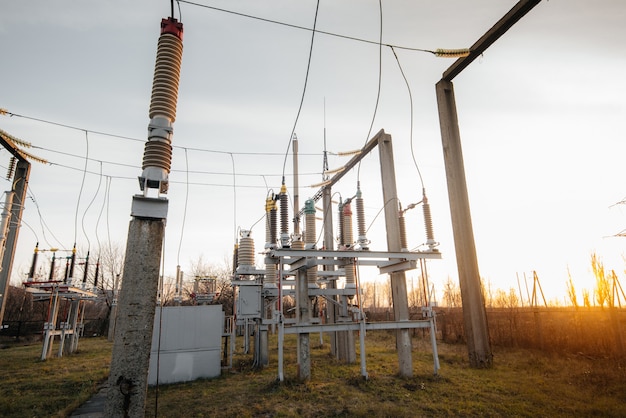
[
  {"x": 87, "y": 209},
  {"x": 439, "y": 52},
  {"x": 232, "y": 159},
  {"x": 411, "y": 106},
  {"x": 182, "y": 228},
  {"x": 379, "y": 212},
  {"x": 104, "y": 201},
  {"x": 108, "y": 201},
  {"x": 42, "y": 222},
  {"x": 306, "y": 79},
  {"x": 29, "y": 227},
  {"x": 380, "y": 70},
  {"x": 82, "y": 185},
  {"x": 160, "y": 305},
  {"x": 63, "y": 125},
  {"x": 180, "y": 14}
]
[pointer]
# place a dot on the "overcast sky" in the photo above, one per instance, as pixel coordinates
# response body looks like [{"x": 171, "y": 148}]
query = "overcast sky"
[{"x": 541, "y": 116}]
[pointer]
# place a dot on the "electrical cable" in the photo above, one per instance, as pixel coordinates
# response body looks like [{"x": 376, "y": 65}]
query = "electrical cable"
[
  {"x": 87, "y": 209},
  {"x": 100, "y": 216},
  {"x": 411, "y": 103},
  {"x": 182, "y": 228},
  {"x": 42, "y": 222},
  {"x": 378, "y": 213},
  {"x": 143, "y": 140},
  {"x": 439, "y": 52},
  {"x": 134, "y": 179},
  {"x": 380, "y": 70},
  {"x": 108, "y": 200},
  {"x": 29, "y": 227},
  {"x": 74, "y": 127},
  {"x": 306, "y": 79},
  {"x": 133, "y": 166},
  {"x": 180, "y": 14},
  {"x": 232, "y": 159},
  {"x": 158, "y": 360},
  {"x": 82, "y": 185}
]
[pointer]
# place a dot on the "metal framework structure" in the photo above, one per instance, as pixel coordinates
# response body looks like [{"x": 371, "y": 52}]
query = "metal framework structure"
[
  {"x": 70, "y": 330},
  {"x": 295, "y": 262}
]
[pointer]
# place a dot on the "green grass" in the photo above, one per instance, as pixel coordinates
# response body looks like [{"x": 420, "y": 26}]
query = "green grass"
[{"x": 522, "y": 383}]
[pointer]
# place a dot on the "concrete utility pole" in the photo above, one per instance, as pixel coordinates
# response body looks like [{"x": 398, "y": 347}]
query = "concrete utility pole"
[
  {"x": 128, "y": 379},
  {"x": 474, "y": 314},
  {"x": 20, "y": 187},
  {"x": 331, "y": 309},
  {"x": 398, "y": 279}
]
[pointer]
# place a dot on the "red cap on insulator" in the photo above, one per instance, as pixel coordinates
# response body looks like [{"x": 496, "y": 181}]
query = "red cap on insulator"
[
  {"x": 173, "y": 26},
  {"x": 347, "y": 209}
]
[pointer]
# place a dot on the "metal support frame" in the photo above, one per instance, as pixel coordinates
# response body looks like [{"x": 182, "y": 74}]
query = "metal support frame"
[
  {"x": 341, "y": 323},
  {"x": 69, "y": 330},
  {"x": 296, "y": 262}
]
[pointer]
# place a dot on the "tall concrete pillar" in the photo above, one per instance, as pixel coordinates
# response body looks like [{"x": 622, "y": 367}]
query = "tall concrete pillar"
[
  {"x": 20, "y": 186},
  {"x": 394, "y": 244},
  {"x": 474, "y": 314},
  {"x": 331, "y": 309},
  {"x": 128, "y": 379}
]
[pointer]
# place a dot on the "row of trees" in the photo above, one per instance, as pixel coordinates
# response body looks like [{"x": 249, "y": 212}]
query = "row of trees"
[{"x": 375, "y": 295}]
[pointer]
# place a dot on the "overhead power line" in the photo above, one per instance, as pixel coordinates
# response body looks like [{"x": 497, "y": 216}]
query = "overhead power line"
[{"x": 439, "y": 52}]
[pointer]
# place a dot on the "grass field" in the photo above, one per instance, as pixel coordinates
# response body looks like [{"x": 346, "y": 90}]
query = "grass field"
[{"x": 521, "y": 383}]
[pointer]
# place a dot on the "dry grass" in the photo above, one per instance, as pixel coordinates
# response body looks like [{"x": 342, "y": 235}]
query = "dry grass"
[
  {"x": 30, "y": 387},
  {"x": 522, "y": 383}
]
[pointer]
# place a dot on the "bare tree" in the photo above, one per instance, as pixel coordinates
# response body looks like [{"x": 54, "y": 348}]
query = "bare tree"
[
  {"x": 451, "y": 294},
  {"x": 221, "y": 283}
]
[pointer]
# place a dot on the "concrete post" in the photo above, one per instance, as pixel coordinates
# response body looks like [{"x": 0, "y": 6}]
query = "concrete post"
[
  {"x": 128, "y": 379},
  {"x": 20, "y": 186},
  {"x": 331, "y": 309},
  {"x": 72, "y": 318},
  {"x": 304, "y": 317},
  {"x": 474, "y": 314},
  {"x": 398, "y": 279}
]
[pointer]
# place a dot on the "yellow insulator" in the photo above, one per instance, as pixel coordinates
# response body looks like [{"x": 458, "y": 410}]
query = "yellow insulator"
[{"x": 452, "y": 53}]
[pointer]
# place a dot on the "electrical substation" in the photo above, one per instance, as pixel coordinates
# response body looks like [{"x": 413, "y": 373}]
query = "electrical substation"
[
  {"x": 311, "y": 276},
  {"x": 73, "y": 292},
  {"x": 319, "y": 272}
]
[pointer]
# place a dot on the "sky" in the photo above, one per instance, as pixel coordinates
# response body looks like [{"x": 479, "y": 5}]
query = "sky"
[{"x": 540, "y": 114}]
